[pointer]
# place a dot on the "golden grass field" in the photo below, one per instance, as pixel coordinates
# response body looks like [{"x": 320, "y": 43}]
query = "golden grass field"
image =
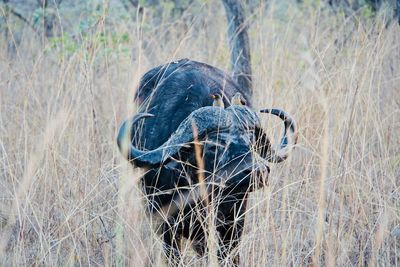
[{"x": 68, "y": 198}]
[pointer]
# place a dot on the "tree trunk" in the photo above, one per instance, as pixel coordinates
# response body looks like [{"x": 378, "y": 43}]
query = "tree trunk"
[
  {"x": 239, "y": 44},
  {"x": 398, "y": 10}
]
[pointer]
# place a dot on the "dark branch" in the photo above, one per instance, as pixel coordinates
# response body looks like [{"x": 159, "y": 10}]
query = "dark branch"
[
  {"x": 19, "y": 16},
  {"x": 239, "y": 44}
]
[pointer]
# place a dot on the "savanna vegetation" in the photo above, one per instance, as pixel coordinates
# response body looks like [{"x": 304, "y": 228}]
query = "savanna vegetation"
[{"x": 68, "y": 73}]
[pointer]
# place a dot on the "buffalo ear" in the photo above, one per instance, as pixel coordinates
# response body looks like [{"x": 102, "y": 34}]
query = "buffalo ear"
[
  {"x": 263, "y": 145},
  {"x": 261, "y": 174}
]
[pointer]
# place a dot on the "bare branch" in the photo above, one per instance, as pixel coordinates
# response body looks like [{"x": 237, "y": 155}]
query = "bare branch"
[{"x": 19, "y": 15}]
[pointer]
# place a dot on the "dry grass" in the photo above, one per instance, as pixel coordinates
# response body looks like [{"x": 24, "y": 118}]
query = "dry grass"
[{"x": 68, "y": 198}]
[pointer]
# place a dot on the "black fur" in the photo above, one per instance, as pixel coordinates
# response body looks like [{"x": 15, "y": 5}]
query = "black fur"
[{"x": 172, "y": 92}]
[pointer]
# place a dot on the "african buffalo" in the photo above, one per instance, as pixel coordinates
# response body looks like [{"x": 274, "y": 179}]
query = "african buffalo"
[{"x": 199, "y": 159}]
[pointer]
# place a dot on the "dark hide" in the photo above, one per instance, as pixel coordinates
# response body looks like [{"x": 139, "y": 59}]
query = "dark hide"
[
  {"x": 164, "y": 143},
  {"x": 175, "y": 90},
  {"x": 230, "y": 171}
]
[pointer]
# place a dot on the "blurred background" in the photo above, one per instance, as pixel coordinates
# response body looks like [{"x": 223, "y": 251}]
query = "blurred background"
[{"x": 68, "y": 73}]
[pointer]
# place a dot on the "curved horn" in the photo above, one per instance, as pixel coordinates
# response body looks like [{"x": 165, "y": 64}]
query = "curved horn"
[
  {"x": 124, "y": 138},
  {"x": 244, "y": 117},
  {"x": 205, "y": 120},
  {"x": 283, "y": 151}
]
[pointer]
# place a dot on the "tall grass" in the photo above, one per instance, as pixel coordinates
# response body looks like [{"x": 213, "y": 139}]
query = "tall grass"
[{"x": 68, "y": 197}]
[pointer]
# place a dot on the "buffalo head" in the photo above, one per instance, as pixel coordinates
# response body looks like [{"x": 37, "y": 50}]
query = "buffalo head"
[{"x": 235, "y": 149}]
